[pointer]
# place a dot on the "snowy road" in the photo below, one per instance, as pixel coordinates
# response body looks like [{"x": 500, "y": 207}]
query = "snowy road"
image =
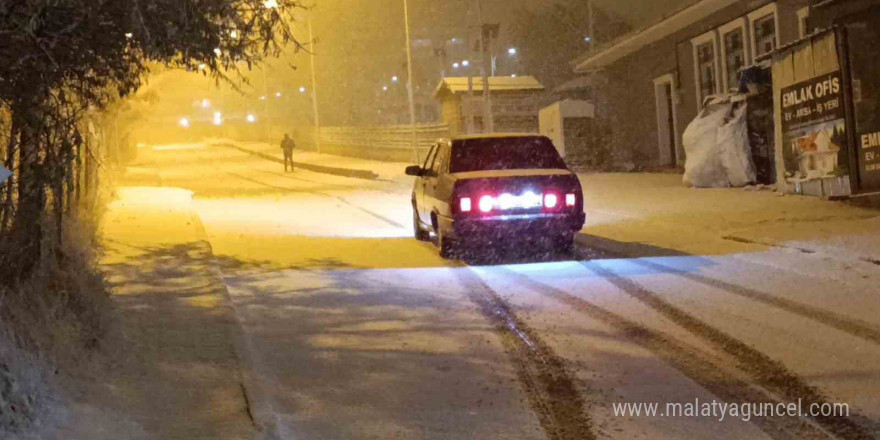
[{"x": 353, "y": 330}]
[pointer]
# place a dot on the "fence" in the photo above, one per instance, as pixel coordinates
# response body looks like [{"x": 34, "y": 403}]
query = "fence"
[{"x": 386, "y": 143}]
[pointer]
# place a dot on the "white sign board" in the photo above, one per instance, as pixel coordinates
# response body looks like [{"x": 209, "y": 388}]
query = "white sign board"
[{"x": 4, "y": 174}]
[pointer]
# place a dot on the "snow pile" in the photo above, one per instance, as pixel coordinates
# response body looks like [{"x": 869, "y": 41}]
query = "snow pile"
[{"x": 717, "y": 146}]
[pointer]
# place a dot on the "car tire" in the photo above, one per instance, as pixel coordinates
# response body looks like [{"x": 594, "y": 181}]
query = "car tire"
[
  {"x": 446, "y": 245},
  {"x": 419, "y": 233}
]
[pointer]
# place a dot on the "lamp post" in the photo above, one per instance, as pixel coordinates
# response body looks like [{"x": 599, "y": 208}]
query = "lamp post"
[
  {"x": 409, "y": 83},
  {"x": 485, "y": 41}
]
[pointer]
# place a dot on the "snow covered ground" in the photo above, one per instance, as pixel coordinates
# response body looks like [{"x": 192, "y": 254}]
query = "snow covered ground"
[{"x": 350, "y": 329}]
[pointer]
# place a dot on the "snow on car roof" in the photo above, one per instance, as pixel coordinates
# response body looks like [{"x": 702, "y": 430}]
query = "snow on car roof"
[{"x": 495, "y": 136}]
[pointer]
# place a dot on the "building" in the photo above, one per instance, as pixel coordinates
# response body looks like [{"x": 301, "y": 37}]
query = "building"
[
  {"x": 652, "y": 82},
  {"x": 515, "y": 103}
]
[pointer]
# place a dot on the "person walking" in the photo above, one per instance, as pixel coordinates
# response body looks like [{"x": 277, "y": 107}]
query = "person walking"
[{"x": 287, "y": 146}]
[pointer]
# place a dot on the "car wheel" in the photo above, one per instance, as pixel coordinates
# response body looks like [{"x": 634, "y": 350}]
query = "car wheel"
[
  {"x": 418, "y": 232},
  {"x": 446, "y": 244}
]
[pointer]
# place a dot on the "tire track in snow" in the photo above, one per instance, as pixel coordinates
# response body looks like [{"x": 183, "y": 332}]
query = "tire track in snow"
[
  {"x": 551, "y": 389},
  {"x": 691, "y": 361},
  {"x": 765, "y": 371},
  {"x": 851, "y": 326}
]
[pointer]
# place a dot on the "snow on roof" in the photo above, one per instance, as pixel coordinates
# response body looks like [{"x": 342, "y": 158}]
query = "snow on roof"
[
  {"x": 635, "y": 41},
  {"x": 496, "y": 84}
]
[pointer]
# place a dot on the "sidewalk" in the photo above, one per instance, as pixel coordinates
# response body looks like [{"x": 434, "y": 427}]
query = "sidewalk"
[
  {"x": 657, "y": 210},
  {"x": 323, "y": 163},
  {"x": 174, "y": 370}
]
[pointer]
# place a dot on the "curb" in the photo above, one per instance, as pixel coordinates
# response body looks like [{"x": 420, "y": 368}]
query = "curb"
[{"x": 343, "y": 172}]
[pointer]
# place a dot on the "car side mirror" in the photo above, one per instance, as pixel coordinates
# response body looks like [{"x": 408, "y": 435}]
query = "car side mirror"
[{"x": 414, "y": 170}]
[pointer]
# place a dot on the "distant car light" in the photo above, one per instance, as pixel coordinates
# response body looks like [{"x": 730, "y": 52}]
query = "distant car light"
[
  {"x": 487, "y": 203},
  {"x": 551, "y": 201},
  {"x": 466, "y": 204},
  {"x": 570, "y": 200}
]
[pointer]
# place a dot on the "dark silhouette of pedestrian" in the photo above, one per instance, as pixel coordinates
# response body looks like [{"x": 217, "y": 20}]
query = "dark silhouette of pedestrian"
[{"x": 287, "y": 146}]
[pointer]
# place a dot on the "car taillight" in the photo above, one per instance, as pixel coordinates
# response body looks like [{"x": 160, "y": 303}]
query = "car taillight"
[
  {"x": 487, "y": 203},
  {"x": 466, "y": 205},
  {"x": 551, "y": 201},
  {"x": 570, "y": 200}
]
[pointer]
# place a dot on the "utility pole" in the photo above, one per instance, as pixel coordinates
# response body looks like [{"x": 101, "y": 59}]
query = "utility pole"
[
  {"x": 315, "y": 89},
  {"x": 485, "y": 42},
  {"x": 592, "y": 21},
  {"x": 409, "y": 83}
]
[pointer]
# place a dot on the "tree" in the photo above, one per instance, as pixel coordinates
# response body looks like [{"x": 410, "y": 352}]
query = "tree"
[
  {"x": 551, "y": 37},
  {"x": 62, "y": 59}
]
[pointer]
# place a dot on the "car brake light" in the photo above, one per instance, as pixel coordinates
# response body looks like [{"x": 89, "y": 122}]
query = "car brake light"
[
  {"x": 466, "y": 204},
  {"x": 487, "y": 203},
  {"x": 550, "y": 201},
  {"x": 570, "y": 200}
]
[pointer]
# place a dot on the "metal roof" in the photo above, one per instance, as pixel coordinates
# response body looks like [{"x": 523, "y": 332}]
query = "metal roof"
[
  {"x": 635, "y": 41},
  {"x": 496, "y": 84}
]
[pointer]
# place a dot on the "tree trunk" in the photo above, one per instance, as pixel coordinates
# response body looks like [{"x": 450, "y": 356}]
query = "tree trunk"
[
  {"x": 9, "y": 187},
  {"x": 27, "y": 226}
]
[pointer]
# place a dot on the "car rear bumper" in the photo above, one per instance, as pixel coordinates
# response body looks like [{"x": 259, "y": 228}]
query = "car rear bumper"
[{"x": 513, "y": 226}]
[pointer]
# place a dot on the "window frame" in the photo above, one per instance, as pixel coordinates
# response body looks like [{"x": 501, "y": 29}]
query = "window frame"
[
  {"x": 760, "y": 14},
  {"x": 740, "y": 24},
  {"x": 803, "y": 14},
  {"x": 696, "y": 43}
]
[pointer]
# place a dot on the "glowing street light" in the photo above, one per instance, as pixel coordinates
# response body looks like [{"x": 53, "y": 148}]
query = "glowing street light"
[
  {"x": 466, "y": 63},
  {"x": 262, "y": 98},
  {"x": 218, "y": 119},
  {"x": 251, "y": 119},
  {"x": 512, "y": 51},
  {"x": 384, "y": 88},
  {"x": 302, "y": 89},
  {"x": 206, "y": 103},
  {"x": 184, "y": 122},
  {"x": 278, "y": 95},
  {"x": 395, "y": 79},
  {"x": 456, "y": 65}
]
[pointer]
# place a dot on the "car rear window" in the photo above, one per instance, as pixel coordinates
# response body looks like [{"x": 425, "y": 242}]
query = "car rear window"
[{"x": 515, "y": 153}]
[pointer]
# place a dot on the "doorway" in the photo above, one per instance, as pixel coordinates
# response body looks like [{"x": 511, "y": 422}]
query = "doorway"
[{"x": 667, "y": 120}]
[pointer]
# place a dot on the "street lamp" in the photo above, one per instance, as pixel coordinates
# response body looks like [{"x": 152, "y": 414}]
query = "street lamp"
[
  {"x": 251, "y": 119},
  {"x": 512, "y": 51},
  {"x": 278, "y": 95},
  {"x": 302, "y": 89},
  {"x": 184, "y": 122},
  {"x": 395, "y": 79},
  {"x": 466, "y": 63},
  {"x": 456, "y": 65},
  {"x": 218, "y": 119}
]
